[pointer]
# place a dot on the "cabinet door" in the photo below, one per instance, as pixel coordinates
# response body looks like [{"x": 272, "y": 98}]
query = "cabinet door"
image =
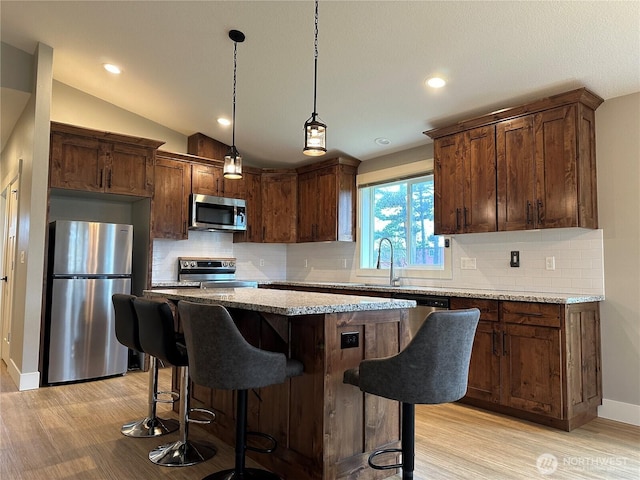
[
  {"x": 515, "y": 173},
  {"x": 555, "y": 159},
  {"x": 309, "y": 199},
  {"x": 77, "y": 163},
  {"x": 170, "y": 205},
  {"x": 279, "y": 207},
  {"x": 448, "y": 184},
  {"x": 484, "y": 367},
  {"x": 207, "y": 180},
  {"x": 531, "y": 373},
  {"x": 129, "y": 171},
  {"x": 327, "y": 205},
  {"x": 479, "y": 207},
  {"x": 253, "y": 197}
]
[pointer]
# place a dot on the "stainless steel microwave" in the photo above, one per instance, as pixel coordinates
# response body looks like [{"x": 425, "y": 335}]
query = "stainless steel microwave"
[{"x": 217, "y": 213}]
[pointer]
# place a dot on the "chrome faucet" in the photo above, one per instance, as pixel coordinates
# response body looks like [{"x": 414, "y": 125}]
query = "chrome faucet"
[{"x": 393, "y": 280}]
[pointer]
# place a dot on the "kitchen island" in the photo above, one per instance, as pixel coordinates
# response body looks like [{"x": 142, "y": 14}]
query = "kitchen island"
[{"x": 325, "y": 429}]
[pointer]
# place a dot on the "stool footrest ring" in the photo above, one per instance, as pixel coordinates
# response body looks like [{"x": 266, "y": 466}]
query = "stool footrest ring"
[
  {"x": 380, "y": 452},
  {"x": 271, "y": 449},
  {"x": 204, "y": 411},
  {"x": 175, "y": 396}
]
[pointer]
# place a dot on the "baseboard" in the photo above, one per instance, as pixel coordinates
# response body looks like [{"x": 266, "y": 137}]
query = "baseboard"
[
  {"x": 24, "y": 381},
  {"x": 620, "y": 412}
]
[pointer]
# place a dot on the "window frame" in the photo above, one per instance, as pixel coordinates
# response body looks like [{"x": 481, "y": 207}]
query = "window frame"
[{"x": 391, "y": 175}]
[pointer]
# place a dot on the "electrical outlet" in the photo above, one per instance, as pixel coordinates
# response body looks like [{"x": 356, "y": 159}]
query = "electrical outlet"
[
  {"x": 550, "y": 263},
  {"x": 306, "y": 263},
  {"x": 515, "y": 258},
  {"x": 262, "y": 262},
  {"x": 344, "y": 263},
  {"x": 467, "y": 263},
  {"x": 349, "y": 340}
]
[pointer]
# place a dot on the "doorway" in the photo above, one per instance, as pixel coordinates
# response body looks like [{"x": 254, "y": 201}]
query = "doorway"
[{"x": 7, "y": 280}]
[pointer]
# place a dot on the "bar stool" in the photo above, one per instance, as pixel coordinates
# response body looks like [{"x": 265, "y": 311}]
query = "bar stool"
[
  {"x": 220, "y": 357},
  {"x": 127, "y": 328},
  {"x": 432, "y": 369},
  {"x": 158, "y": 338}
]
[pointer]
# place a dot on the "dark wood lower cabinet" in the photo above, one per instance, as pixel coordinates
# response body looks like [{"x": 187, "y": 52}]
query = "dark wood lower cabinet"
[
  {"x": 536, "y": 361},
  {"x": 324, "y": 428}
]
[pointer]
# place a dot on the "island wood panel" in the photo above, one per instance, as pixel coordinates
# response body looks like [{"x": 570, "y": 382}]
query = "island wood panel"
[{"x": 325, "y": 429}]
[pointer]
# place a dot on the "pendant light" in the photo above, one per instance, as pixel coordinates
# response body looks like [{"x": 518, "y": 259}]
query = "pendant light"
[
  {"x": 233, "y": 160},
  {"x": 314, "y": 130}
]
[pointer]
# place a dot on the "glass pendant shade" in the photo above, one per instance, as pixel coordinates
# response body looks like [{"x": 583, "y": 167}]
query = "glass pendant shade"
[
  {"x": 315, "y": 134},
  {"x": 232, "y": 165}
]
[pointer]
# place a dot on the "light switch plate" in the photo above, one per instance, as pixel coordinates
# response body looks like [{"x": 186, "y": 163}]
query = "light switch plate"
[{"x": 550, "y": 263}]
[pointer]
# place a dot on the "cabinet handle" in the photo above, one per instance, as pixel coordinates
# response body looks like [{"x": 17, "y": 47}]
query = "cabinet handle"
[
  {"x": 539, "y": 213},
  {"x": 109, "y": 178},
  {"x": 504, "y": 344},
  {"x": 217, "y": 185},
  {"x": 263, "y": 233},
  {"x": 184, "y": 227},
  {"x": 100, "y": 184},
  {"x": 457, "y": 219},
  {"x": 528, "y": 212},
  {"x": 494, "y": 343},
  {"x": 465, "y": 217}
]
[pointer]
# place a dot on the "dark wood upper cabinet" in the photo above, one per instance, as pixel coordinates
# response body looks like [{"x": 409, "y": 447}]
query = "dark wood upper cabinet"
[
  {"x": 94, "y": 161},
  {"x": 465, "y": 182},
  {"x": 279, "y": 206},
  {"x": 544, "y": 168},
  {"x": 170, "y": 203},
  {"x": 327, "y": 200}
]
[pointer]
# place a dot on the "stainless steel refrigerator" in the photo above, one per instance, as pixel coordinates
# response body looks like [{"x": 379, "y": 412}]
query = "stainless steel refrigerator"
[{"x": 88, "y": 263}]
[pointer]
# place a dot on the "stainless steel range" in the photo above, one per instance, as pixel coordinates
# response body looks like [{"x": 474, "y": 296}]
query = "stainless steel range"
[{"x": 211, "y": 272}]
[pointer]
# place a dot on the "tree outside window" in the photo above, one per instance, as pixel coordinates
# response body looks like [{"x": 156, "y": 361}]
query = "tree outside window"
[{"x": 401, "y": 211}]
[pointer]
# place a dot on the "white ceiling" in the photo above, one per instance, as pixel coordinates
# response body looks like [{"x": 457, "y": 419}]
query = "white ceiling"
[{"x": 374, "y": 57}]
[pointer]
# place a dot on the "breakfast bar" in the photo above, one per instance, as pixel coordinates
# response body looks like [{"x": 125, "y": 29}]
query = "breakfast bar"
[{"x": 325, "y": 429}]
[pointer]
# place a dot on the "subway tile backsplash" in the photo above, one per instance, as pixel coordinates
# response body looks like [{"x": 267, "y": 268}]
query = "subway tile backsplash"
[{"x": 578, "y": 255}]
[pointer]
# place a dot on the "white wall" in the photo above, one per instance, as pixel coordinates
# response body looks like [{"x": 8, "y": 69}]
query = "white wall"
[
  {"x": 618, "y": 157},
  {"x": 29, "y": 143}
]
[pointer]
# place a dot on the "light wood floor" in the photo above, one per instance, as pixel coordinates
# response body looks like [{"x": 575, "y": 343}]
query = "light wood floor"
[{"x": 72, "y": 432}]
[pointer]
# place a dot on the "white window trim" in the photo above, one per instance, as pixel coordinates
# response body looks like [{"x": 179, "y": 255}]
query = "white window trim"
[{"x": 423, "y": 167}]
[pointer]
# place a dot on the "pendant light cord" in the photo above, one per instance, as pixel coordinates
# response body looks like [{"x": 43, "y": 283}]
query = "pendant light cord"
[
  {"x": 233, "y": 130},
  {"x": 315, "y": 70}
]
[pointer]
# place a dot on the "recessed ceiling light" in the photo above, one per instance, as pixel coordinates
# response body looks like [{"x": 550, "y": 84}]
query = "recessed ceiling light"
[
  {"x": 111, "y": 68},
  {"x": 382, "y": 141},
  {"x": 224, "y": 121},
  {"x": 436, "y": 82}
]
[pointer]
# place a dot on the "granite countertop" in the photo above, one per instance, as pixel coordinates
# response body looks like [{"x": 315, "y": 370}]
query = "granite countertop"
[
  {"x": 558, "y": 298},
  {"x": 282, "y": 302}
]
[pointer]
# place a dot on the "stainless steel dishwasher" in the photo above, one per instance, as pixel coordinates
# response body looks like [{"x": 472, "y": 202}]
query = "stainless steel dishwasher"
[{"x": 425, "y": 305}]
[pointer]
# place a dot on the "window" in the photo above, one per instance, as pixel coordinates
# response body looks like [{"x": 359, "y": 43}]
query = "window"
[{"x": 402, "y": 211}]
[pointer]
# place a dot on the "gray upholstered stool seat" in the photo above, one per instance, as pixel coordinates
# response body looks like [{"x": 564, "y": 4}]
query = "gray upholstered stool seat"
[
  {"x": 432, "y": 369},
  {"x": 158, "y": 338},
  {"x": 221, "y": 358},
  {"x": 127, "y": 333}
]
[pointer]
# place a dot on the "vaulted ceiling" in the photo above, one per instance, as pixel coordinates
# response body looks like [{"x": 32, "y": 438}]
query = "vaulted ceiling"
[{"x": 374, "y": 57}]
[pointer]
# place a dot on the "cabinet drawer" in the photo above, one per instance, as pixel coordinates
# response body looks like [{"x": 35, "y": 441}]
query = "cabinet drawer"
[
  {"x": 488, "y": 308},
  {"x": 543, "y": 314}
]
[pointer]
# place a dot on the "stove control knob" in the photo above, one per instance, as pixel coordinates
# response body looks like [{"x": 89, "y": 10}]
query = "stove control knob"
[
  {"x": 232, "y": 264},
  {"x": 193, "y": 264}
]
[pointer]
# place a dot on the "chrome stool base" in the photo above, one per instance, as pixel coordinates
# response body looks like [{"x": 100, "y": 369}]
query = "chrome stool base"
[
  {"x": 148, "y": 427},
  {"x": 181, "y": 454},
  {"x": 249, "y": 474}
]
